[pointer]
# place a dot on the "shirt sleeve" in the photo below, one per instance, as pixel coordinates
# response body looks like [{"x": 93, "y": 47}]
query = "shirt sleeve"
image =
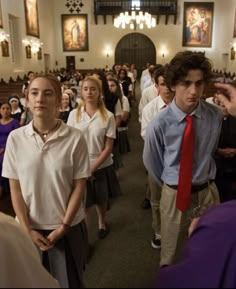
[
  {"x": 81, "y": 160},
  {"x": 126, "y": 106},
  {"x": 153, "y": 151},
  {"x": 9, "y": 169},
  {"x": 111, "y": 128},
  {"x": 145, "y": 122},
  {"x": 118, "y": 109},
  {"x": 71, "y": 118},
  {"x": 218, "y": 132},
  {"x": 143, "y": 102}
]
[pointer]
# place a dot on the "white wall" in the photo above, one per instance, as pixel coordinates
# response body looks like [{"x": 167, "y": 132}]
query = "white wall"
[
  {"x": 167, "y": 36},
  {"x": 102, "y": 36},
  {"x": 15, "y": 8}
]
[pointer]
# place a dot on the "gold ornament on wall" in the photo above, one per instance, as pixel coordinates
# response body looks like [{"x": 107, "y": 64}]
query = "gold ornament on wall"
[
  {"x": 5, "y": 48},
  {"x": 28, "y": 51}
]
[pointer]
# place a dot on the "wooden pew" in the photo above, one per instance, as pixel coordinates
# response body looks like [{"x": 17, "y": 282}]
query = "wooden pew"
[{"x": 9, "y": 89}]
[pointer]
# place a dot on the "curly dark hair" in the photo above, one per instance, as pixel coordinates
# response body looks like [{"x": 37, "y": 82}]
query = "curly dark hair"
[{"x": 184, "y": 61}]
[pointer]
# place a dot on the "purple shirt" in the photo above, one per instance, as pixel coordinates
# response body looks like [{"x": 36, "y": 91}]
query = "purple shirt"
[
  {"x": 209, "y": 258},
  {"x": 5, "y": 130}
]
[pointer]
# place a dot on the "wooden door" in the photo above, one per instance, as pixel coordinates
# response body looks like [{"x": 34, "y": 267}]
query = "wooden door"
[
  {"x": 70, "y": 63},
  {"x": 135, "y": 48}
]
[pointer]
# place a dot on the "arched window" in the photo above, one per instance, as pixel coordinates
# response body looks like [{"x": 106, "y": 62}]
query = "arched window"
[{"x": 136, "y": 5}]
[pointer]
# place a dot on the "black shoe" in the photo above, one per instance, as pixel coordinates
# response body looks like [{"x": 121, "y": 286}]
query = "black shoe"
[
  {"x": 156, "y": 241},
  {"x": 146, "y": 204},
  {"x": 102, "y": 233}
]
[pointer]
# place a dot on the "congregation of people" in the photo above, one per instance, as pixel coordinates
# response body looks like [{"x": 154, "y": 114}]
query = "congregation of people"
[{"x": 74, "y": 128}]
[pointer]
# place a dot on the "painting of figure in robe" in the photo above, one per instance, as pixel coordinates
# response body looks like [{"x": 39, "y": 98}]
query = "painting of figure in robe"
[{"x": 75, "y": 32}]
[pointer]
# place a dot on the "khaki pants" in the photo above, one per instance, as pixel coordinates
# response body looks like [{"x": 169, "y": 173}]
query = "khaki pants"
[
  {"x": 175, "y": 224},
  {"x": 155, "y": 199}
]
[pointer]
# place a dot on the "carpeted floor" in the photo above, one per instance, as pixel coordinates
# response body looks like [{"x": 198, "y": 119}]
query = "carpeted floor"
[{"x": 125, "y": 259}]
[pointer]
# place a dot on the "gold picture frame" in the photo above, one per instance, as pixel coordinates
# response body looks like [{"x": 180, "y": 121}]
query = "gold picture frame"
[
  {"x": 28, "y": 51},
  {"x": 31, "y": 18},
  {"x": 198, "y": 24},
  {"x": 1, "y": 19},
  {"x": 75, "y": 32},
  {"x": 5, "y": 48},
  {"x": 234, "y": 33},
  {"x": 39, "y": 54}
]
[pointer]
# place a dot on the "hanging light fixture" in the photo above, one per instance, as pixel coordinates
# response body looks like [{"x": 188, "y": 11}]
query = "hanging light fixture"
[
  {"x": 34, "y": 43},
  {"x": 134, "y": 20}
]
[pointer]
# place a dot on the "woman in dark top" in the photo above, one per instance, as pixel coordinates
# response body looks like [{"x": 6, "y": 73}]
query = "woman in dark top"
[
  {"x": 126, "y": 83},
  {"x": 16, "y": 107},
  {"x": 7, "y": 124},
  {"x": 108, "y": 98}
]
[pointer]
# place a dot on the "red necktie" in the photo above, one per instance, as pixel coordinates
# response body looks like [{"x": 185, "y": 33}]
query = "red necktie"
[{"x": 186, "y": 167}]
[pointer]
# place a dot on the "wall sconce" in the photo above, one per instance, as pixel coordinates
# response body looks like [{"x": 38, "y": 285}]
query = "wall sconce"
[
  {"x": 34, "y": 44},
  {"x": 3, "y": 36},
  {"x": 107, "y": 52},
  {"x": 163, "y": 53}
]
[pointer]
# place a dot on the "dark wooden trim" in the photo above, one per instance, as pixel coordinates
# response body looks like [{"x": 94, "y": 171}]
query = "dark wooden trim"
[{"x": 115, "y": 7}]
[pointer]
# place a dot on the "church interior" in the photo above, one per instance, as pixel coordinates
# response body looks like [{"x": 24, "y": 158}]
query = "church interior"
[{"x": 76, "y": 37}]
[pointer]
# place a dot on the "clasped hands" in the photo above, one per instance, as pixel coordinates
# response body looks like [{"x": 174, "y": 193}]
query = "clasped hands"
[{"x": 48, "y": 242}]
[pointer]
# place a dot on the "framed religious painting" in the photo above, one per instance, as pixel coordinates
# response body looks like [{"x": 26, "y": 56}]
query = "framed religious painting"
[
  {"x": 5, "y": 48},
  {"x": 28, "y": 51},
  {"x": 39, "y": 54},
  {"x": 234, "y": 34},
  {"x": 1, "y": 20},
  {"x": 31, "y": 18},
  {"x": 75, "y": 32},
  {"x": 198, "y": 24}
]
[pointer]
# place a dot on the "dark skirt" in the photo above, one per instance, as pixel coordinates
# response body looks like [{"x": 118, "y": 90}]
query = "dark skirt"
[
  {"x": 66, "y": 261},
  {"x": 4, "y": 182},
  {"x": 104, "y": 185},
  {"x": 123, "y": 140},
  {"x": 117, "y": 157}
]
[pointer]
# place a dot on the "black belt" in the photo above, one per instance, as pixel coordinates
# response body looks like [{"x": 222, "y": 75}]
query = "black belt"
[{"x": 195, "y": 188}]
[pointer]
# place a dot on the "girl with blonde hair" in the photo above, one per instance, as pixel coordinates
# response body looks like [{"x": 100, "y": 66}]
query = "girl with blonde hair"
[{"x": 99, "y": 128}]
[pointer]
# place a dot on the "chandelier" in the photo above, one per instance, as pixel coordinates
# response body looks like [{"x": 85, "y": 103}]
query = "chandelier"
[{"x": 135, "y": 19}]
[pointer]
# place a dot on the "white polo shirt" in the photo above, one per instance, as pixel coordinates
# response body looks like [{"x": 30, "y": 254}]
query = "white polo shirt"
[
  {"x": 125, "y": 104},
  {"x": 150, "y": 111},
  {"x": 46, "y": 171},
  {"x": 95, "y": 130},
  {"x": 118, "y": 108},
  {"x": 148, "y": 95}
]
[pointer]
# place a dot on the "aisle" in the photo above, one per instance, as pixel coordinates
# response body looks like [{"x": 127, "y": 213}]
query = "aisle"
[{"x": 125, "y": 259}]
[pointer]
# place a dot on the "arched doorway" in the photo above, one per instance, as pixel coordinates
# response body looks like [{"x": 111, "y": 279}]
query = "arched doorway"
[{"x": 135, "y": 48}]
